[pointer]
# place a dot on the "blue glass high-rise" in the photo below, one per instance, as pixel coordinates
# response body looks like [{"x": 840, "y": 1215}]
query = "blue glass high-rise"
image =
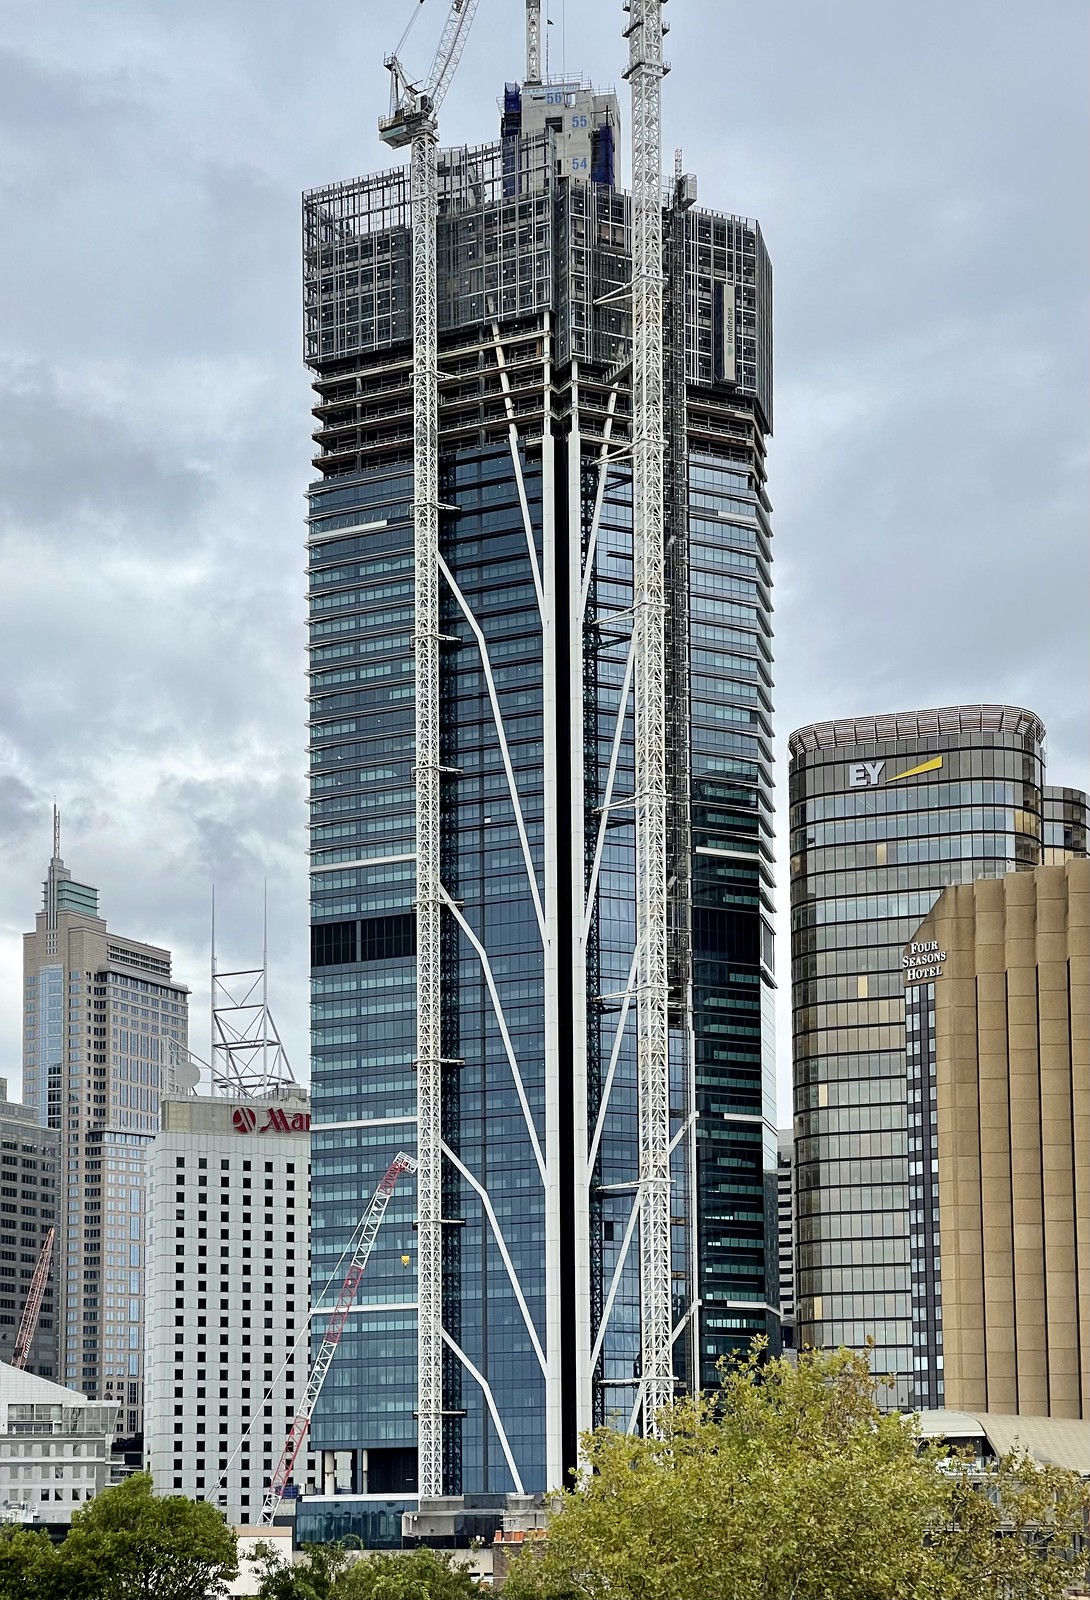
[{"x": 539, "y": 1107}]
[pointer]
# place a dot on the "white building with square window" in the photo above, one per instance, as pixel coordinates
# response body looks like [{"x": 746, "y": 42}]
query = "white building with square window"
[
  {"x": 226, "y": 1338},
  {"x": 54, "y": 1448}
]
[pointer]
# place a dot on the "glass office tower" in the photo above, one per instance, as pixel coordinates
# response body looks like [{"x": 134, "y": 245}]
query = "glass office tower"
[
  {"x": 885, "y": 813},
  {"x": 541, "y": 1296}
]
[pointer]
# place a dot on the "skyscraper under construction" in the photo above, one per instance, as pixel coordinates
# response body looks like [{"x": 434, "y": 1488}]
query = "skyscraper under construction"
[{"x": 484, "y": 979}]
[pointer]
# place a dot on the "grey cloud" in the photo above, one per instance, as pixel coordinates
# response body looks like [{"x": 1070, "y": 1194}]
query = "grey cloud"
[
  {"x": 81, "y": 476},
  {"x": 920, "y": 175},
  {"x": 18, "y": 811}
]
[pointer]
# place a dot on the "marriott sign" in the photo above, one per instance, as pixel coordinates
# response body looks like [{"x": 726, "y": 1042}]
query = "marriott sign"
[{"x": 269, "y": 1119}]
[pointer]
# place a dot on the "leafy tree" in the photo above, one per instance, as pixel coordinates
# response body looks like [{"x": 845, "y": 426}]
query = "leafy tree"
[
  {"x": 327, "y": 1572},
  {"x": 792, "y": 1484},
  {"x": 1010, "y": 1534},
  {"x": 410, "y": 1575},
  {"x": 130, "y": 1544},
  {"x": 27, "y": 1564},
  {"x": 314, "y": 1576}
]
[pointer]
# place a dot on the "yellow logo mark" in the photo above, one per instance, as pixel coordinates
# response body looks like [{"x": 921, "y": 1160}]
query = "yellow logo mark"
[{"x": 925, "y": 766}]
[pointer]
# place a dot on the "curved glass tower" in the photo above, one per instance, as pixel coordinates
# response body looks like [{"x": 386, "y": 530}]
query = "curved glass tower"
[{"x": 885, "y": 812}]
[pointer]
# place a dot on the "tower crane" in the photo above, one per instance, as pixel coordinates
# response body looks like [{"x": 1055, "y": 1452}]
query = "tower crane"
[
  {"x": 368, "y": 1232},
  {"x": 645, "y": 73},
  {"x": 412, "y": 121},
  {"x": 33, "y": 1308}
]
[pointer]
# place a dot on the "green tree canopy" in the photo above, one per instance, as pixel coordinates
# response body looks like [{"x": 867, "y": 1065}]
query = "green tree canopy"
[
  {"x": 792, "y": 1484},
  {"x": 27, "y": 1564},
  {"x": 327, "y": 1572},
  {"x": 130, "y": 1544}
]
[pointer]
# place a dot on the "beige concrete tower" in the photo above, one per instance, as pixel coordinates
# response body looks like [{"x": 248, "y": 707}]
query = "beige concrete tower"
[
  {"x": 998, "y": 1013},
  {"x": 104, "y": 1024}
]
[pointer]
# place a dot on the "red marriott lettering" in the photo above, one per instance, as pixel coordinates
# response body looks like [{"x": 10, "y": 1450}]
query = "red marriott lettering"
[{"x": 244, "y": 1119}]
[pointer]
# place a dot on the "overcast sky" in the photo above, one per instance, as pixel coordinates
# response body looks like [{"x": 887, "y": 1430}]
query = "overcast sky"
[{"x": 920, "y": 173}]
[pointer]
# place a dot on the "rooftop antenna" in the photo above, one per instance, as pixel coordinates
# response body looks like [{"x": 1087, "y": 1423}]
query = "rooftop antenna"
[
  {"x": 265, "y": 970},
  {"x": 212, "y": 990},
  {"x": 51, "y": 884},
  {"x": 247, "y": 1058}
]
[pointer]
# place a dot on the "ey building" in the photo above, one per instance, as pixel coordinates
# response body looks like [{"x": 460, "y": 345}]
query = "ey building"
[
  {"x": 227, "y": 1310},
  {"x": 886, "y": 812},
  {"x": 538, "y": 1298},
  {"x": 104, "y": 1025},
  {"x": 997, "y": 1013}
]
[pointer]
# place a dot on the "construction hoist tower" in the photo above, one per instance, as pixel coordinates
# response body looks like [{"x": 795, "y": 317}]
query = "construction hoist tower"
[
  {"x": 645, "y": 73},
  {"x": 412, "y": 120}
]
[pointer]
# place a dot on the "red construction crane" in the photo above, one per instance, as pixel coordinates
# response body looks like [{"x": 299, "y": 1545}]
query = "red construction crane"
[
  {"x": 32, "y": 1310},
  {"x": 372, "y": 1221}
]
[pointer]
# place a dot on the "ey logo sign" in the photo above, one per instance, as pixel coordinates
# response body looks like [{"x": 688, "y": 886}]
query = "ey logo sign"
[{"x": 866, "y": 774}]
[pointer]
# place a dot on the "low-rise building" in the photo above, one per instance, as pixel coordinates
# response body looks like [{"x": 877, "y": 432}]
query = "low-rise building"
[{"x": 54, "y": 1447}]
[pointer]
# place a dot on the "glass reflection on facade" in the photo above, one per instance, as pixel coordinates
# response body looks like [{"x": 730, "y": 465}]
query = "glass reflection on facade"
[
  {"x": 539, "y": 1113},
  {"x": 885, "y": 812}
]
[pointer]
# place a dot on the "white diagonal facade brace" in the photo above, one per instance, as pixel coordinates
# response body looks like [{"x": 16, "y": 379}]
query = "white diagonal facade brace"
[
  {"x": 501, "y": 735},
  {"x": 428, "y": 889},
  {"x": 493, "y": 1410},
  {"x": 501, "y": 1023},
  {"x": 645, "y": 71},
  {"x": 501, "y": 1245}
]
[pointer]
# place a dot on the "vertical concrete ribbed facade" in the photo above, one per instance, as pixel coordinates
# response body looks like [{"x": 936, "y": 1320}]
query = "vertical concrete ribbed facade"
[{"x": 1007, "y": 1020}]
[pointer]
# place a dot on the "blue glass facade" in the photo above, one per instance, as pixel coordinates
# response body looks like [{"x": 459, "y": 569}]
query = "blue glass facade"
[{"x": 541, "y": 1263}]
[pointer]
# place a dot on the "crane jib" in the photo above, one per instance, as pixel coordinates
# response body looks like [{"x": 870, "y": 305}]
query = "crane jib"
[{"x": 365, "y": 1236}]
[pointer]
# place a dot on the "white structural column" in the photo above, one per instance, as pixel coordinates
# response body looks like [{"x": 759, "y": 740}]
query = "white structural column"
[
  {"x": 582, "y": 1377},
  {"x": 428, "y": 887},
  {"x": 645, "y": 71},
  {"x": 554, "y": 1053}
]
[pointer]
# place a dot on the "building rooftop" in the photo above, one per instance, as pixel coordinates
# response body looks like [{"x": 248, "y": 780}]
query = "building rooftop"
[
  {"x": 1063, "y": 1441},
  {"x": 916, "y": 725}
]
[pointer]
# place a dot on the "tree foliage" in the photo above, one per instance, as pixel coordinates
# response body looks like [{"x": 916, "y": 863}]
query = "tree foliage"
[
  {"x": 792, "y": 1484},
  {"x": 327, "y": 1572},
  {"x": 127, "y": 1544},
  {"x": 27, "y": 1563}
]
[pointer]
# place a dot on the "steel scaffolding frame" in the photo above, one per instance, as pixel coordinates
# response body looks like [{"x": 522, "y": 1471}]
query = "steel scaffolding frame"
[{"x": 645, "y": 73}]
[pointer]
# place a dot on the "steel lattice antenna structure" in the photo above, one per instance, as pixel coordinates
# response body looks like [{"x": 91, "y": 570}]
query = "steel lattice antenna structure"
[
  {"x": 412, "y": 119},
  {"x": 247, "y": 1054},
  {"x": 645, "y": 73}
]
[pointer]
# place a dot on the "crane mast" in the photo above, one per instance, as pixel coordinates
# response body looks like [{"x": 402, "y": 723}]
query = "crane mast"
[
  {"x": 33, "y": 1309},
  {"x": 533, "y": 41},
  {"x": 645, "y": 73},
  {"x": 412, "y": 119},
  {"x": 372, "y": 1221}
]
